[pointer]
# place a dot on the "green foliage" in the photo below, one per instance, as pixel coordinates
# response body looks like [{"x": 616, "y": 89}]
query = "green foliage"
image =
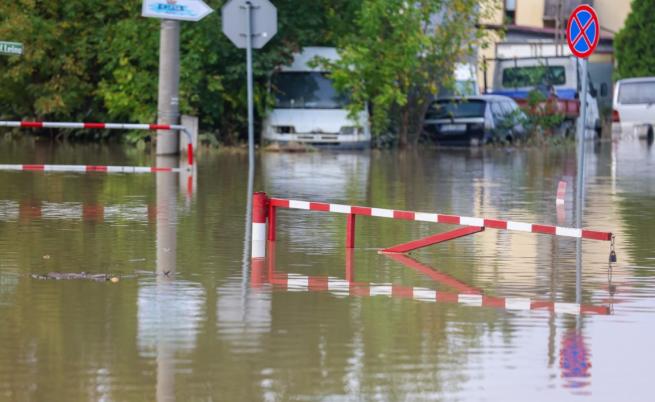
[
  {"x": 399, "y": 53},
  {"x": 541, "y": 116},
  {"x": 635, "y": 43},
  {"x": 98, "y": 60}
]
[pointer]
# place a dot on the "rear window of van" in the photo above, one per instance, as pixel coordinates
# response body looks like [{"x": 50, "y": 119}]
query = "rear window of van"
[{"x": 635, "y": 93}]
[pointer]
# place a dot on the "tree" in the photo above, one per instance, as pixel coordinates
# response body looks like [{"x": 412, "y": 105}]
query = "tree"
[
  {"x": 635, "y": 43},
  {"x": 98, "y": 60},
  {"x": 400, "y": 53}
]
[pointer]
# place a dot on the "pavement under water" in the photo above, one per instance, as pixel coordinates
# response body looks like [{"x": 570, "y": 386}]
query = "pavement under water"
[{"x": 190, "y": 319}]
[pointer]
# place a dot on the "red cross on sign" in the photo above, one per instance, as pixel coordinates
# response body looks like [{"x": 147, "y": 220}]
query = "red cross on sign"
[{"x": 583, "y": 31}]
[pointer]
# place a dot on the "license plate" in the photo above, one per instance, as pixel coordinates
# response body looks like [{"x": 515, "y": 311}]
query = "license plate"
[{"x": 449, "y": 128}]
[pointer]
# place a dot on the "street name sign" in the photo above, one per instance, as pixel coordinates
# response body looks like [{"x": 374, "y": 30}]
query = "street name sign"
[
  {"x": 263, "y": 22},
  {"x": 11, "y": 48},
  {"x": 583, "y": 31},
  {"x": 183, "y": 10}
]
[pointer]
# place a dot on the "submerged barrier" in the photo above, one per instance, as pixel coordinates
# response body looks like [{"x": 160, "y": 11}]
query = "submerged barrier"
[
  {"x": 265, "y": 209},
  {"x": 464, "y": 294},
  {"x": 98, "y": 126}
]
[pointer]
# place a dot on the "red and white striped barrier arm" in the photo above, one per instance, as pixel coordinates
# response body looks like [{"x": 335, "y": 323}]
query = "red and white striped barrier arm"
[
  {"x": 89, "y": 126},
  {"x": 103, "y": 126},
  {"x": 340, "y": 287},
  {"x": 89, "y": 168},
  {"x": 441, "y": 218}
]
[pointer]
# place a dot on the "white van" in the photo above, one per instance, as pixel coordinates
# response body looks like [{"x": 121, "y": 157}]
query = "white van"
[
  {"x": 309, "y": 110},
  {"x": 634, "y": 107}
]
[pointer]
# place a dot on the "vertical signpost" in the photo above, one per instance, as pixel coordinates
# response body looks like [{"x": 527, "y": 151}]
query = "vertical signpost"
[
  {"x": 250, "y": 24},
  {"x": 168, "y": 105},
  {"x": 582, "y": 35}
]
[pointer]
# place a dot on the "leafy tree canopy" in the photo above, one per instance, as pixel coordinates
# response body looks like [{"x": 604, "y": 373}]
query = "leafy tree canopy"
[
  {"x": 635, "y": 43},
  {"x": 98, "y": 60}
]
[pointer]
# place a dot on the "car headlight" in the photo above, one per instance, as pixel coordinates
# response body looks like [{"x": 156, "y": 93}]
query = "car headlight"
[
  {"x": 348, "y": 130},
  {"x": 284, "y": 129}
]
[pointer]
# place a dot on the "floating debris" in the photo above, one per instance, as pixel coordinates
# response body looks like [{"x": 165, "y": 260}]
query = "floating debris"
[{"x": 81, "y": 276}]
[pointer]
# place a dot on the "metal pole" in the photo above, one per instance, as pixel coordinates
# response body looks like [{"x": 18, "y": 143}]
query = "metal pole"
[
  {"x": 251, "y": 112},
  {"x": 582, "y": 128},
  {"x": 168, "y": 108}
]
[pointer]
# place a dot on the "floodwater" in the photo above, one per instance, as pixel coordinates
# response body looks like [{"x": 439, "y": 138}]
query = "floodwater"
[{"x": 191, "y": 320}]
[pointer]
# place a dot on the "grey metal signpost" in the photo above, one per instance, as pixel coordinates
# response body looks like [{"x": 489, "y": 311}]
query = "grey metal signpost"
[
  {"x": 171, "y": 12},
  {"x": 260, "y": 17}
]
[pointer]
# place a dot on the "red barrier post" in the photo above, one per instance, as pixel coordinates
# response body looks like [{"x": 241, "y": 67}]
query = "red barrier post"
[
  {"x": 350, "y": 231},
  {"x": 272, "y": 215},
  {"x": 259, "y": 209},
  {"x": 190, "y": 154}
]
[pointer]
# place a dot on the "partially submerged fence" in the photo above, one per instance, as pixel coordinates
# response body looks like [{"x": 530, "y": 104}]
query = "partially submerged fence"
[
  {"x": 98, "y": 126},
  {"x": 265, "y": 210}
]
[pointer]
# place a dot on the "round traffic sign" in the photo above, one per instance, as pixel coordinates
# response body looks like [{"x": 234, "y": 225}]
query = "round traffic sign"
[{"x": 583, "y": 31}]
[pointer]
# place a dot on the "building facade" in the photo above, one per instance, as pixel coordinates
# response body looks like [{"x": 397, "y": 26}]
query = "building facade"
[{"x": 535, "y": 28}]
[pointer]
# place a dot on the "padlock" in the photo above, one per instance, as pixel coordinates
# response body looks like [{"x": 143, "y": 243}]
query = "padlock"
[{"x": 613, "y": 256}]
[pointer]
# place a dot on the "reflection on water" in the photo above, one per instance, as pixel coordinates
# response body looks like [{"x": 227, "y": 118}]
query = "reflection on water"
[{"x": 487, "y": 317}]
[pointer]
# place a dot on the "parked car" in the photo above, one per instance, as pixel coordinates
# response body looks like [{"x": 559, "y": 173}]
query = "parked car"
[
  {"x": 474, "y": 120},
  {"x": 634, "y": 107}
]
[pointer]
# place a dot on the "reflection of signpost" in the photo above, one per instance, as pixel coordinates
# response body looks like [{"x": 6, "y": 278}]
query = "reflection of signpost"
[
  {"x": 260, "y": 26},
  {"x": 11, "y": 48},
  {"x": 168, "y": 102},
  {"x": 582, "y": 35}
]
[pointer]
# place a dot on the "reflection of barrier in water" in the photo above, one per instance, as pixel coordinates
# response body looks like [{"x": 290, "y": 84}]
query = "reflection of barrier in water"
[
  {"x": 264, "y": 271},
  {"x": 27, "y": 210},
  {"x": 268, "y": 207}
]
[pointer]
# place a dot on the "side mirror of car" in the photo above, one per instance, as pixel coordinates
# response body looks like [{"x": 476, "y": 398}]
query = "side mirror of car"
[{"x": 593, "y": 91}]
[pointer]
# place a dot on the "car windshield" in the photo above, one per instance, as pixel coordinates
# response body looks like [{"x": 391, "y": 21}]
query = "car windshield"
[
  {"x": 635, "y": 93},
  {"x": 520, "y": 77},
  {"x": 447, "y": 109},
  {"x": 306, "y": 90}
]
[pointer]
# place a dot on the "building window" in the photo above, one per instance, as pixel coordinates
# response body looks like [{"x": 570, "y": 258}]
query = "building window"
[
  {"x": 555, "y": 10},
  {"x": 510, "y": 11}
]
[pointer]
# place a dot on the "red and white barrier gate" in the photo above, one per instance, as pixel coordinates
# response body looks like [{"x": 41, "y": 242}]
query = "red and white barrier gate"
[
  {"x": 264, "y": 209},
  {"x": 98, "y": 126}
]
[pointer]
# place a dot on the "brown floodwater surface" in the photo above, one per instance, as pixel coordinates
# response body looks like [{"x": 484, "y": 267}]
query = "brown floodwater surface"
[{"x": 189, "y": 319}]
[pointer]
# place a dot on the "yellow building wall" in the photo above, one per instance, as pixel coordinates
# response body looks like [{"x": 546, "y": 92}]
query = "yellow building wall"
[
  {"x": 530, "y": 13},
  {"x": 612, "y": 13}
]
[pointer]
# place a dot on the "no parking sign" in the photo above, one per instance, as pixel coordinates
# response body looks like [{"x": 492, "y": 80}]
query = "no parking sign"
[
  {"x": 582, "y": 35},
  {"x": 583, "y": 31}
]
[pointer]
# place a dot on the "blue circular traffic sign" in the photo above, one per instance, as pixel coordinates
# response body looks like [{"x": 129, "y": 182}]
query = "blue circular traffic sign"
[{"x": 583, "y": 31}]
